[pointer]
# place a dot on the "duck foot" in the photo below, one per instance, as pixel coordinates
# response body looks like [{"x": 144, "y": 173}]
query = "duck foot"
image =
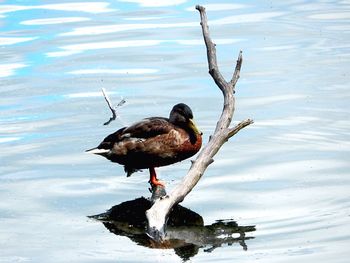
[{"x": 153, "y": 179}]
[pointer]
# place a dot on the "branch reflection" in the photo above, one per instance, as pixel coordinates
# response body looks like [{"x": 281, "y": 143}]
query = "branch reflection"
[{"x": 185, "y": 233}]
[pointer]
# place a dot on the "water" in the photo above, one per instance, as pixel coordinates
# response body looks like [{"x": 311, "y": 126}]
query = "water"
[{"x": 287, "y": 174}]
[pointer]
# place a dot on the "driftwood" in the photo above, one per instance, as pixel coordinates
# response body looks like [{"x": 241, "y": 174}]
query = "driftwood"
[{"x": 158, "y": 213}]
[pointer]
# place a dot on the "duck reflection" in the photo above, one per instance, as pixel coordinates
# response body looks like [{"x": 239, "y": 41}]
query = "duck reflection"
[{"x": 185, "y": 233}]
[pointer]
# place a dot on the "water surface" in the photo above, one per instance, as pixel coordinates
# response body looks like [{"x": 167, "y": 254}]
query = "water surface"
[{"x": 287, "y": 174}]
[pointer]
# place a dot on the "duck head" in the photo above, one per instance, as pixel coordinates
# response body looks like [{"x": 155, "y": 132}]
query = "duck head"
[{"x": 181, "y": 115}]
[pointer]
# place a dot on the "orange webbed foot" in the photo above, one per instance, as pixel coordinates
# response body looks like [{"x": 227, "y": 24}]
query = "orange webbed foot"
[
  {"x": 153, "y": 178},
  {"x": 156, "y": 182}
]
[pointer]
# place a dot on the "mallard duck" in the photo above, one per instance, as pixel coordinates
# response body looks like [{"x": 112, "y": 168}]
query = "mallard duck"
[{"x": 153, "y": 142}]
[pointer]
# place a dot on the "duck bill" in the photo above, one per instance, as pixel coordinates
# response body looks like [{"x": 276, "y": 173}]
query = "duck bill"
[{"x": 194, "y": 128}]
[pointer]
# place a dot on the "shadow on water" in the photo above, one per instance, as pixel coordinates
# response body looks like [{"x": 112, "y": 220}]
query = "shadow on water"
[{"x": 186, "y": 232}]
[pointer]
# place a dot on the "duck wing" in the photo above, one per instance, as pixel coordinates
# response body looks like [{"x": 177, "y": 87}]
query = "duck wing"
[{"x": 147, "y": 128}]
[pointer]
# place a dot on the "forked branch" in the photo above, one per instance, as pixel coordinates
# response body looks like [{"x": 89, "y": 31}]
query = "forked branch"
[{"x": 158, "y": 213}]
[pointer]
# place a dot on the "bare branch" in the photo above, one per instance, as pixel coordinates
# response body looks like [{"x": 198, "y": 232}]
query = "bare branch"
[
  {"x": 236, "y": 73},
  {"x": 158, "y": 213},
  {"x": 231, "y": 132},
  {"x": 211, "y": 50},
  {"x": 113, "y": 109}
]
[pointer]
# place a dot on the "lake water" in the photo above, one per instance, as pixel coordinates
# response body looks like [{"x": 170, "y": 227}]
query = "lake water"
[{"x": 287, "y": 174}]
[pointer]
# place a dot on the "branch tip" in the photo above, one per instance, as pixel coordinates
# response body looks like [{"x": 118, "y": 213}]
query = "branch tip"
[
  {"x": 236, "y": 73},
  {"x": 200, "y": 8}
]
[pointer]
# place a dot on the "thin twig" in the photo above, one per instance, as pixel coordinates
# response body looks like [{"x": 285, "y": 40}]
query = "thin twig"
[{"x": 113, "y": 109}]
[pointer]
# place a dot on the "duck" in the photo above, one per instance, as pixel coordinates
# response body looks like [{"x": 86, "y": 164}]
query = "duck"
[{"x": 153, "y": 142}]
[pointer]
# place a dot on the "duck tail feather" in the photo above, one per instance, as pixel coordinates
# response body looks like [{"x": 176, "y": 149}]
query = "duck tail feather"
[
  {"x": 129, "y": 171},
  {"x": 97, "y": 151}
]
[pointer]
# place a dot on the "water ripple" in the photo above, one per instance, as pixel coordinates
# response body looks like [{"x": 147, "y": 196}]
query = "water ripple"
[
  {"x": 53, "y": 21},
  {"x": 87, "y": 7},
  {"x": 108, "y": 29},
  {"x": 246, "y": 18},
  {"x": 10, "y": 69},
  {"x": 79, "y": 48},
  {"x": 219, "y": 7},
  {"x": 331, "y": 16},
  {"x": 155, "y": 3},
  {"x": 14, "y": 40},
  {"x": 114, "y": 71}
]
